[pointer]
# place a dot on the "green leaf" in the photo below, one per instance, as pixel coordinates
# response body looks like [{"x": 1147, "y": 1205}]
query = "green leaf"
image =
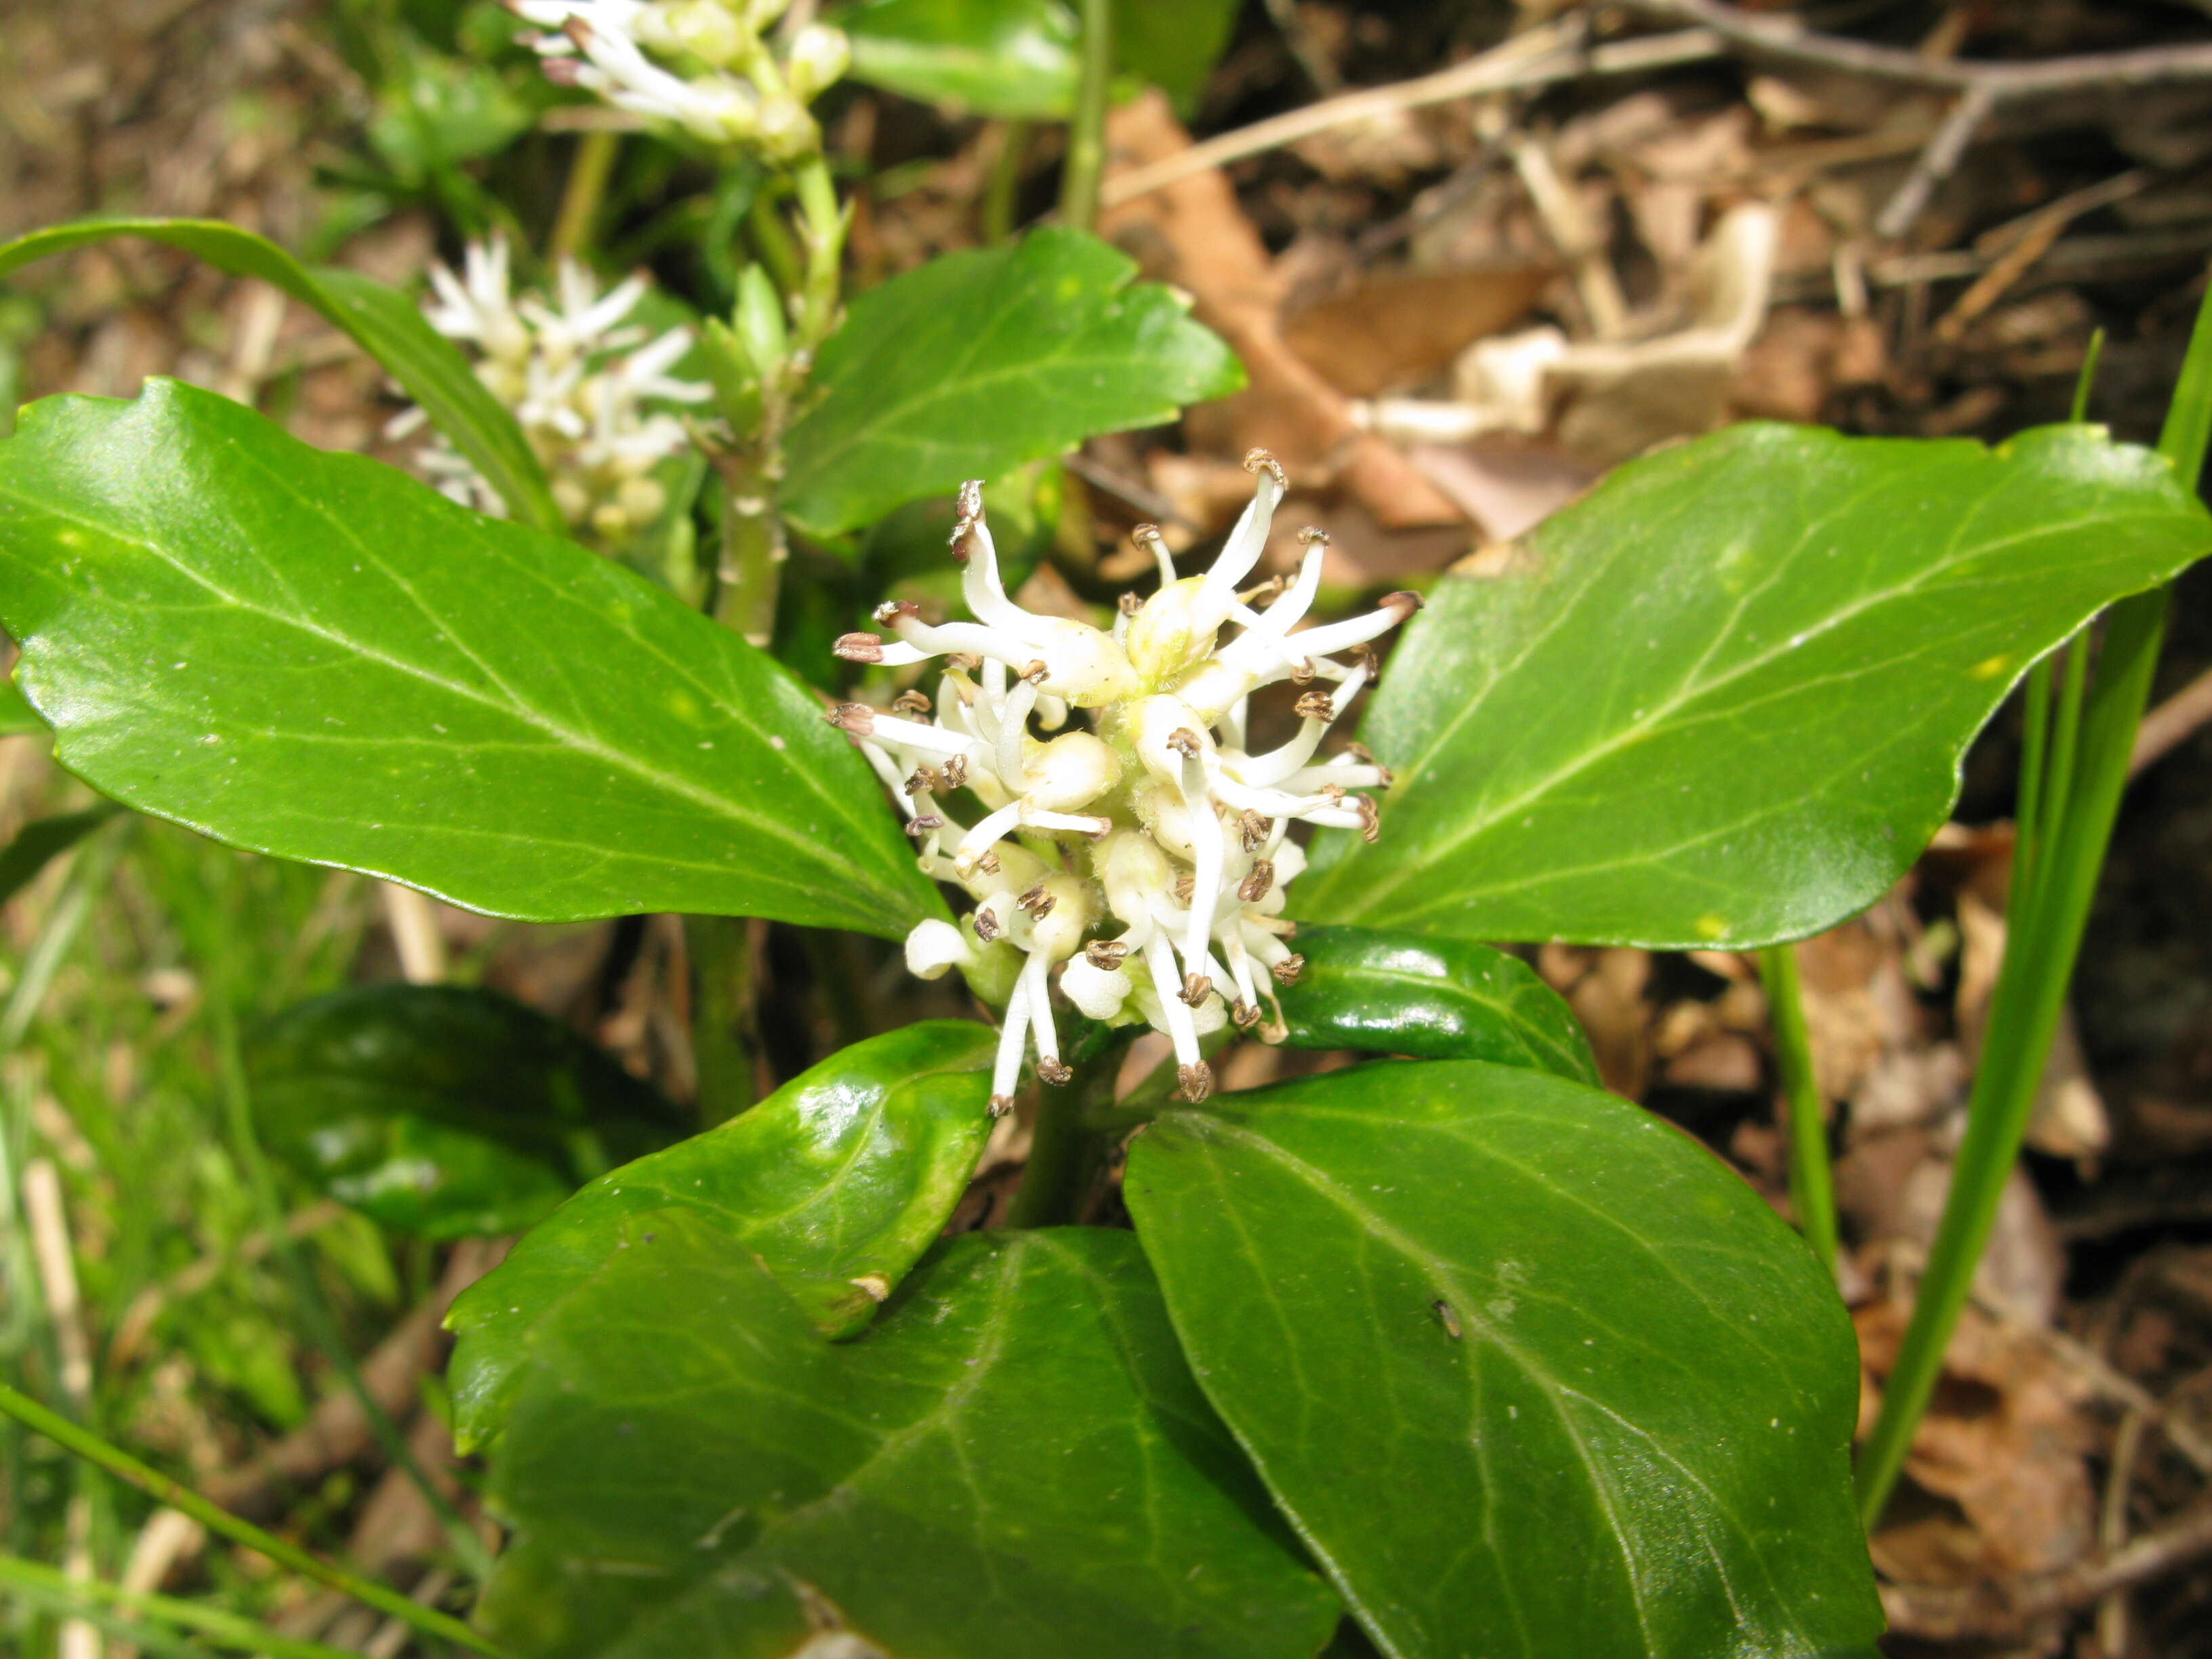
[
  {"x": 1532, "y": 1372},
  {"x": 314, "y": 655},
  {"x": 1402, "y": 994},
  {"x": 1721, "y": 700},
  {"x": 844, "y": 1173},
  {"x": 1174, "y": 44},
  {"x": 446, "y": 1111},
  {"x": 42, "y": 841},
  {"x": 1011, "y": 58},
  {"x": 1012, "y": 1462},
  {"x": 383, "y": 323},
  {"x": 980, "y": 361}
]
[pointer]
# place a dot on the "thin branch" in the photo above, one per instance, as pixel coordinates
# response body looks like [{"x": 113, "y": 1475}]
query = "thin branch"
[
  {"x": 1779, "y": 37},
  {"x": 1540, "y": 58}
]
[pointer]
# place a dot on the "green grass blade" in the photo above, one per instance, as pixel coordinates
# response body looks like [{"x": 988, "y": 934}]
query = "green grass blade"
[
  {"x": 1812, "y": 1181},
  {"x": 92, "y": 1599}
]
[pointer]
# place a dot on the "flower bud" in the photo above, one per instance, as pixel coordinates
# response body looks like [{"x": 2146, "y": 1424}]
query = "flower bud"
[
  {"x": 934, "y": 948},
  {"x": 1134, "y": 873},
  {"x": 819, "y": 57},
  {"x": 1100, "y": 993},
  {"x": 1165, "y": 637},
  {"x": 1070, "y": 772}
]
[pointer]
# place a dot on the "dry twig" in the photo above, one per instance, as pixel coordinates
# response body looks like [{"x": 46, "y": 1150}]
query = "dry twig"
[{"x": 1541, "y": 57}]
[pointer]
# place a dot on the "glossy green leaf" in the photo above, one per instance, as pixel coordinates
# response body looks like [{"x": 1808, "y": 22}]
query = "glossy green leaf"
[
  {"x": 1012, "y": 1462},
  {"x": 314, "y": 656},
  {"x": 1013, "y": 59},
  {"x": 446, "y": 1111},
  {"x": 1534, "y": 1373},
  {"x": 42, "y": 841},
  {"x": 980, "y": 361},
  {"x": 383, "y": 323},
  {"x": 1403, "y": 994},
  {"x": 843, "y": 1174},
  {"x": 1721, "y": 700}
]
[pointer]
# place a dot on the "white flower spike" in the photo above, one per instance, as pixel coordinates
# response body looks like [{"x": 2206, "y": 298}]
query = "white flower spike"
[
  {"x": 701, "y": 65},
  {"x": 580, "y": 383},
  {"x": 1158, "y": 826}
]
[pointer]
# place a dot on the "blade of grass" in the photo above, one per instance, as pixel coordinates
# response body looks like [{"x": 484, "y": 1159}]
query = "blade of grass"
[
  {"x": 90, "y": 1599},
  {"x": 1812, "y": 1182},
  {"x": 178, "y": 1496},
  {"x": 2047, "y": 917}
]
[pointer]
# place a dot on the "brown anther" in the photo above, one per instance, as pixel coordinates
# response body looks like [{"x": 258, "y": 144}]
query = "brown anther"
[
  {"x": 988, "y": 863},
  {"x": 891, "y": 612},
  {"x": 1313, "y": 536},
  {"x": 1402, "y": 601},
  {"x": 1000, "y": 1105},
  {"x": 1315, "y": 706},
  {"x": 577, "y": 30},
  {"x": 1130, "y": 604},
  {"x": 910, "y": 703},
  {"x": 966, "y": 662},
  {"x": 923, "y": 824},
  {"x": 1301, "y": 671},
  {"x": 1287, "y": 970},
  {"x": 968, "y": 510},
  {"x": 1363, "y": 656},
  {"x": 1184, "y": 742},
  {"x": 1196, "y": 988},
  {"x": 1246, "y": 1014},
  {"x": 1256, "y": 459},
  {"x": 560, "y": 71},
  {"x": 1254, "y": 887},
  {"x": 1145, "y": 536},
  {"x": 1252, "y": 829},
  {"x": 1370, "y": 821},
  {"x": 1099, "y": 830},
  {"x": 854, "y": 717},
  {"x": 1050, "y": 1069},
  {"x": 1186, "y": 888},
  {"x": 1036, "y": 673},
  {"x": 987, "y": 927},
  {"x": 1105, "y": 954},
  {"x": 859, "y": 648},
  {"x": 1194, "y": 1083},
  {"x": 956, "y": 772},
  {"x": 1038, "y": 901},
  {"x": 924, "y": 781},
  {"x": 1334, "y": 792}
]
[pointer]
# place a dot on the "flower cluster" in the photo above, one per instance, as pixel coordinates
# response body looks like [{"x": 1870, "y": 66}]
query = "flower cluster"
[
  {"x": 1145, "y": 858},
  {"x": 578, "y": 382},
  {"x": 700, "y": 63}
]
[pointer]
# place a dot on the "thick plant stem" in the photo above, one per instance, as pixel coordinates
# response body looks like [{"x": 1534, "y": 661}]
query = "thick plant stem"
[
  {"x": 2048, "y": 915},
  {"x": 1004, "y": 185},
  {"x": 1812, "y": 1182},
  {"x": 722, "y": 990},
  {"x": 78, "y": 1595},
  {"x": 1086, "y": 133},
  {"x": 586, "y": 188},
  {"x": 750, "y": 575},
  {"x": 221, "y": 1521}
]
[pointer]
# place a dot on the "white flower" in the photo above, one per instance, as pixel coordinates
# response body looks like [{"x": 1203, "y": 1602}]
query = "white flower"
[
  {"x": 700, "y": 63},
  {"x": 1158, "y": 825},
  {"x": 580, "y": 382}
]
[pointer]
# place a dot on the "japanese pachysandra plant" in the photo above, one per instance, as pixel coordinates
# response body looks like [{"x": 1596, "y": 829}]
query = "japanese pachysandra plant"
[
  {"x": 589, "y": 389},
  {"x": 1145, "y": 858}
]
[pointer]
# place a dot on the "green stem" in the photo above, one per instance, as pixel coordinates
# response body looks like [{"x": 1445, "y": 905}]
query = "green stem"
[
  {"x": 81, "y": 1596},
  {"x": 1086, "y": 133},
  {"x": 750, "y": 573},
  {"x": 1004, "y": 186},
  {"x": 580, "y": 198},
  {"x": 223, "y": 1523},
  {"x": 322, "y": 1326},
  {"x": 822, "y": 238},
  {"x": 772, "y": 242},
  {"x": 1812, "y": 1182},
  {"x": 2047, "y": 917},
  {"x": 722, "y": 1041}
]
